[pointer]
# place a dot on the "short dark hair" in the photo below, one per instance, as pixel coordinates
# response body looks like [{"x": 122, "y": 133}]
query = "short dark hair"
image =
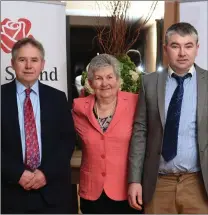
[
  {"x": 20, "y": 43},
  {"x": 181, "y": 28}
]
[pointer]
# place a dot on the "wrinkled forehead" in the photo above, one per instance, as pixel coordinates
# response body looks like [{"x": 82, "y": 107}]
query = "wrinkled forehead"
[{"x": 104, "y": 71}]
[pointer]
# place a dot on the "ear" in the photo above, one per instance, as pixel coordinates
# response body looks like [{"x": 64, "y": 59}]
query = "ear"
[
  {"x": 165, "y": 49},
  {"x": 42, "y": 65},
  {"x": 12, "y": 63},
  {"x": 120, "y": 82},
  {"x": 197, "y": 48},
  {"x": 90, "y": 83}
]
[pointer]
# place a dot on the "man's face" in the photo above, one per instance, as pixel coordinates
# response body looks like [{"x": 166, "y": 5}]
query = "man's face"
[
  {"x": 181, "y": 52},
  {"x": 28, "y": 64}
]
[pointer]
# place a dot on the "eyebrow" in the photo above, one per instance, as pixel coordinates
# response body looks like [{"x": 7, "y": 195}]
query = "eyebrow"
[
  {"x": 26, "y": 57},
  {"x": 189, "y": 43},
  {"x": 106, "y": 74},
  {"x": 174, "y": 43}
]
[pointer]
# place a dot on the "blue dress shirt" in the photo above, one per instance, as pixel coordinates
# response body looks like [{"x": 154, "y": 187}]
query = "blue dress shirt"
[{"x": 186, "y": 159}]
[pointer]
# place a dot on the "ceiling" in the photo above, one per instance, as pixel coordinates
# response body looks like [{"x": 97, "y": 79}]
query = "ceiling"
[{"x": 137, "y": 9}]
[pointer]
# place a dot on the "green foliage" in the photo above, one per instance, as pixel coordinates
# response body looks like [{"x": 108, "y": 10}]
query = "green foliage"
[
  {"x": 84, "y": 76},
  {"x": 130, "y": 76},
  {"x": 129, "y": 84},
  {"x": 126, "y": 62}
]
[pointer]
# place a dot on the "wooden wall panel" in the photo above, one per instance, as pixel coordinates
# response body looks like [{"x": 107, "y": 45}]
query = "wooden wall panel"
[{"x": 171, "y": 16}]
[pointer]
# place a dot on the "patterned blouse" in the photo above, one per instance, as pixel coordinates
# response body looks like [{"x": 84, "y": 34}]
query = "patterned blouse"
[{"x": 103, "y": 122}]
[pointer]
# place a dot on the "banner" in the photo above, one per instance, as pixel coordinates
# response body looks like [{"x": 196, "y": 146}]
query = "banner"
[
  {"x": 196, "y": 14},
  {"x": 46, "y": 22}
]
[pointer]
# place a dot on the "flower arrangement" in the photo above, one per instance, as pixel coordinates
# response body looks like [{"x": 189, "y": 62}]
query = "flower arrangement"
[
  {"x": 116, "y": 39},
  {"x": 130, "y": 75},
  {"x": 130, "y": 80}
]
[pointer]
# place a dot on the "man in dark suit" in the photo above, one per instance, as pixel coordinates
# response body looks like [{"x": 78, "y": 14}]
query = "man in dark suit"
[
  {"x": 37, "y": 138},
  {"x": 168, "y": 159}
]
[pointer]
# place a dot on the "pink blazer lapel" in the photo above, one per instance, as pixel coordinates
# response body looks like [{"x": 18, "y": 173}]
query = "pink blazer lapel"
[
  {"x": 89, "y": 104},
  {"x": 122, "y": 105}
]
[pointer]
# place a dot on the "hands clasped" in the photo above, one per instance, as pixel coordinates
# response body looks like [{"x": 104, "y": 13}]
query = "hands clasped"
[{"x": 32, "y": 180}]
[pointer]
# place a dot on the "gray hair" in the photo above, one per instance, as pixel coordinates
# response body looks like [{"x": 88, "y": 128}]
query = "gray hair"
[
  {"x": 20, "y": 43},
  {"x": 183, "y": 29},
  {"x": 101, "y": 61}
]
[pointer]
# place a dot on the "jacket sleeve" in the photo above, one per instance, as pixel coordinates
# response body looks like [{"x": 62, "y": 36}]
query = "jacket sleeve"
[
  {"x": 11, "y": 170},
  {"x": 138, "y": 140}
]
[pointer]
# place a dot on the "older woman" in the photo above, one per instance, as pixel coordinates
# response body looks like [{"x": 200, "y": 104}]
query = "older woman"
[{"x": 104, "y": 123}]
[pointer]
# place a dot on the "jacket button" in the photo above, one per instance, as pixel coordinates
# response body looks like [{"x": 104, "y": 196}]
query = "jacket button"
[
  {"x": 103, "y": 156},
  {"x": 103, "y": 174},
  {"x": 102, "y": 138}
]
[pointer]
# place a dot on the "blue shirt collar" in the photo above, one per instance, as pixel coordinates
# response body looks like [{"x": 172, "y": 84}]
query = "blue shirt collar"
[
  {"x": 191, "y": 70},
  {"x": 21, "y": 88}
]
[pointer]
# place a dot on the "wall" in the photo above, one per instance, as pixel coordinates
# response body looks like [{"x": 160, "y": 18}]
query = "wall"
[
  {"x": 151, "y": 49},
  {"x": 196, "y": 14},
  {"x": 101, "y": 8},
  {"x": 171, "y": 16}
]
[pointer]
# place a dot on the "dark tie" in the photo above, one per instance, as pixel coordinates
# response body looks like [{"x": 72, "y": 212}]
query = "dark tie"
[
  {"x": 170, "y": 139},
  {"x": 32, "y": 154}
]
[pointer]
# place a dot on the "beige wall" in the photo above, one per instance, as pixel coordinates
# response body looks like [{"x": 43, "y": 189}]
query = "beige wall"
[
  {"x": 87, "y": 5},
  {"x": 101, "y": 8},
  {"x": 151, "y": 48}
]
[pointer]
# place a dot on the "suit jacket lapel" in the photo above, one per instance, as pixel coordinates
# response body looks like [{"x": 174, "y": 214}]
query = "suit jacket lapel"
[
  {"x": 162, "y": 77},
  {"x": 201, "y": 92},
  {"x": 44, "y": 110},
  {"x": 13, "y": 104},
  {"x": 13, "y": 115}
]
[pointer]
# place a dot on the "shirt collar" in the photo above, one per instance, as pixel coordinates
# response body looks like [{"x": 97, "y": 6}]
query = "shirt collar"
[
  {"x": 21, "y": 88},
  {"x": 191, "y": 70}
]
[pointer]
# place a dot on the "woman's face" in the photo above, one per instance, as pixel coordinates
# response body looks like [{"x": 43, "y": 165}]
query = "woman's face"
[{"x": 104, "y": 83}]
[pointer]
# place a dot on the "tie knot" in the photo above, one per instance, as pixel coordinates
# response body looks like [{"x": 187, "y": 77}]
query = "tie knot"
[
  {"x": 180, "y": 79},
  {"x": 27, "y": 92}
]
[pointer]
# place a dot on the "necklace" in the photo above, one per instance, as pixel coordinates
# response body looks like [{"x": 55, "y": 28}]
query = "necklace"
[{"x": 107, "y": 119}]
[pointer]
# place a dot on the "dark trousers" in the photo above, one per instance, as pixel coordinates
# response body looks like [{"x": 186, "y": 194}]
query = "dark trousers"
[
  {"x": 105, "y": 205},
  {"x": 35, "y": 204}
]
